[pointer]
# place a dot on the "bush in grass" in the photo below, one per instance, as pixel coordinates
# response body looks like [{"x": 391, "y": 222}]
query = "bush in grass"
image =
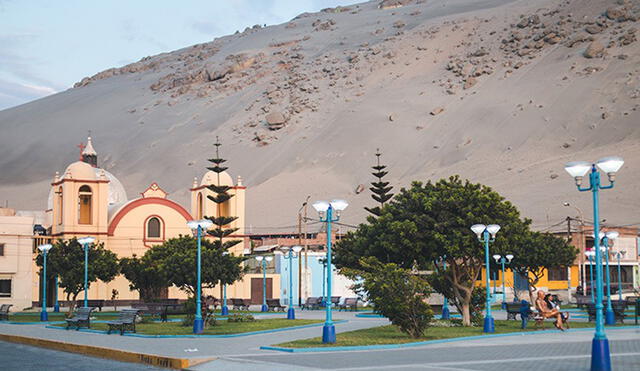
[
  {"x": 397, "y": 294},
  {"x": 241, "y": 318},
  {"x": 188, "y": 320},
  {"x": 478, "y": 301}
]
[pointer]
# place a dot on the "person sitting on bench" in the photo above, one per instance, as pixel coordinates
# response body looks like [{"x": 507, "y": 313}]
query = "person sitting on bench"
[{"x": 547, "y": 312}]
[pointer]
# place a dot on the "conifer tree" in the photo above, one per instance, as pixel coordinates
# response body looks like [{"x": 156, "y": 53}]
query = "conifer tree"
[
  {"x": 380, "y": 188},
  {"x": 220, "y": 221}
]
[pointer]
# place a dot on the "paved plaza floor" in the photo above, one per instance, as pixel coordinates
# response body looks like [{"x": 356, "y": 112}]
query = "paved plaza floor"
[{"x": 537, "y": 351}]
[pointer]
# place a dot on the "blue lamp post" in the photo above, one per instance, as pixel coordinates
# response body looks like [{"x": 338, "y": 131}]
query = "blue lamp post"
[
  {"x": 618, "y": 255},
  {"x": 224, "y": 311},
  {"x": 323, "y": 261},
  {"x": 199, "y": 226},
  {"x": 326, "y": 211},
  {"x": 85, "y": 242},
  {"x": 590, "y": 255},
  {"x": 610, "y": 317},
  {"x": 445, "y": 304},
  {"x": 600, "y": 355},
  {"x": 290, "y": 253},
  {"x": 502, "y": 260},
  {"x": 44, "y": 316},
  {"x": 56, "y": 305},
  {"x": 483, "y": 232},
  {"x": 264, "y": 260}
]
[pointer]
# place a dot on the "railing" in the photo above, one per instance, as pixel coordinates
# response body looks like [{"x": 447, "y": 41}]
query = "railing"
[{"x": 41, "y": 240}]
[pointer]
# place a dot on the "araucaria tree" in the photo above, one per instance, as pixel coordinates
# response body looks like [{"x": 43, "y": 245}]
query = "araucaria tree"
[
  {"x": 220, "y": 222},
  {"x": 431, "y": 221},
  {"x": 66, "y": 259},
  {"x": 380, "y": 189}
]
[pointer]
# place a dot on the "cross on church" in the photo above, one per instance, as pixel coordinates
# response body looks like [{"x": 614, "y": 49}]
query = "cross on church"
[{"x": 81, "y": 146}]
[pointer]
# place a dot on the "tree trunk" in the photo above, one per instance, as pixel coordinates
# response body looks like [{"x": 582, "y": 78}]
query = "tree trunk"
[{"x": 466, "y": 314}]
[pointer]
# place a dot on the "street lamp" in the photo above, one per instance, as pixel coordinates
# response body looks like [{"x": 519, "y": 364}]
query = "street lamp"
[
  {"x": 224, "y": 311},
  {"x": 264, "y": 260},
  {"x": 600, "y": 355},
  {"x": 619, "y": 254},
  {"x": 326, "y": 211},
  {"x": 198, "y": 226},
  {"x": 610, "y": 317},
  {"x": 292, "y": 252},
  {"x": 590, "y": 254},
  {"x": 45, "y": 249},
  {"x": 445, "y": 304},
  {"x": 323, "y": 261},
  {"x": 483, "y": 232},
  {"x": 503, "y": 260},
  {"x": 85, "y": 242}
]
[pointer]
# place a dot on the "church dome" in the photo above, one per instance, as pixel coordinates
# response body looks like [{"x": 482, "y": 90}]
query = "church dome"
[
  {"x": 117, "y": 194},
  {"x": 212, "y": 178},
  {"x": 81, "y": 171}
]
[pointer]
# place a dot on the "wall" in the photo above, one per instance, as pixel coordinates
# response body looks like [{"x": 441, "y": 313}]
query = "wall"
[{"x": 16, "y": 264}]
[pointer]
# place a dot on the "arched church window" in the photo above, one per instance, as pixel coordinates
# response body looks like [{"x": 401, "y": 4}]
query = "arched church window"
[
  {"x": 84, "y": 205},
  {"x": 199, "y": 206},
  {"x": 153, "y": 228},
  {"x": 60, "y": 204}
]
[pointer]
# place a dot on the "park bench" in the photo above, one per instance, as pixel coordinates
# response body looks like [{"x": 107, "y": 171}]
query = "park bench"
[
  {"x": 349, "y": 304},
  {"x": 436, "y": 308},
  {"x": 4, "y": 311},
  {"x": 274, "y": 305},
  {"x": 93, "y": 303},
  {"x": 126, "y": 321},
  {"x": 312, "y": 302},
  {"x": 631, "y": 300},
  {"x": 335, "y": 301},
  {"x": 239, "y": 304},
  {"x": 149, "y": 309},
  {"x": 81, "y": 318},
  {"x": 582, "y": 300},
  {"x": 513, "y": 309},
  {"x": 618, "y": 310}
]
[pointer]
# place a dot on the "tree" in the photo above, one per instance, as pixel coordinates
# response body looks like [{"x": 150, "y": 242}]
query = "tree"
[
  {"x": 539, "y": 252},
  {"x": 429, "y": 221},
  {"x": 397, "y": 294},
  {"x": 178, "y": 258},
  {"x": 66, "y": 260},
  {"x": 220, "y": 221},
  {"x": 380, "y": 188},
  {"x": 145, "y": 275}
]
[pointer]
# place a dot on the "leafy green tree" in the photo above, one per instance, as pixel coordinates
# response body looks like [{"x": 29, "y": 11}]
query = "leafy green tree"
[
  {"x": 178, "y": 257},
  {"x": 380, "y": 189},
  {"x": 66, "y": 260},
  {"x": 397, "y": 294},
  {"x": 429, "y": 221},
  {"x": 539, "y": 252},
  {"x": 145, "y": 275}
]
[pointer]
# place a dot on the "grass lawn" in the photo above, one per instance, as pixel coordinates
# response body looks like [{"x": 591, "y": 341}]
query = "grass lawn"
[
  {"x": 35, "y": 316},
  {"x": 391, "y": 334},
  {"x": 222, "y": 328}
]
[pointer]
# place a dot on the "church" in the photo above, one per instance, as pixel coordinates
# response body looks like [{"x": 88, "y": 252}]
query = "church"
[{"x": 86, "y": 200}]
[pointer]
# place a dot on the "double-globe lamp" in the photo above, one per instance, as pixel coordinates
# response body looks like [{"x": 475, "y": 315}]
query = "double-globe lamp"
[
  {"x": 486, "y": 234},
  {"x": 502, "y": 260},
  {"x": 198, "y": 227},
  {"x": 329, "y": 212},
  {"x": 44, "y": 249},
  {"x": 290, "y": 253},
  {"x": 264, "y": 260},
  {"x": 85, "y": 242},
  {"x": 600, "y": 354}
]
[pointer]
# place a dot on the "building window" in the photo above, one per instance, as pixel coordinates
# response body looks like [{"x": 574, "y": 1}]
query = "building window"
[
  {"x": 200, "y": 206},
  {"x": 558, "y": 274},
  {"x": 5, "y": 288},
  {"x": 60, "y": 204},
  {"x": 153, "y": 228},
  {"x": 84, "y": 205},
  {"x": 1, "y": 249}
]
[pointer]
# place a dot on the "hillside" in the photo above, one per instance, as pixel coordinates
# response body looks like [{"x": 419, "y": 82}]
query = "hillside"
[{"x": 501, "y": 92}]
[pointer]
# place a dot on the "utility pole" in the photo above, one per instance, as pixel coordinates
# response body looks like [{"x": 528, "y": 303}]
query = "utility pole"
[
  {"x": 569, "y": 267},
  {"x": 303, "y": 207}
]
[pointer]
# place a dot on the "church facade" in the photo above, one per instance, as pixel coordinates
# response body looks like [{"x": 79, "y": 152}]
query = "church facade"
[{"x": 87, "y": 200}]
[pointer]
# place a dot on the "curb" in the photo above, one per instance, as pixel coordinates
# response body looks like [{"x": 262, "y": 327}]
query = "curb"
[
  {"x": 200, "y": 336},
  {"x": 427, "y": 342},
  {"x": 114, "y": 354}
]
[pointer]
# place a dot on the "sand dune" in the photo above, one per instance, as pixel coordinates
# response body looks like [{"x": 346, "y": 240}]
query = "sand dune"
[{"x": 497, "y": 91}]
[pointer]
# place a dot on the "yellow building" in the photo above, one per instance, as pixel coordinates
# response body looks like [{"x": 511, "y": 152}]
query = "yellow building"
[
  {"x": 16, "y": 269},
  {"x": 89, "y": 201}
]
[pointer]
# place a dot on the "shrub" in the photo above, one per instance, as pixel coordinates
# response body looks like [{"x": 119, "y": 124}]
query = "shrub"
[
  {"x": 241, "y": 318},
  {"x": 397, "y": 294}
]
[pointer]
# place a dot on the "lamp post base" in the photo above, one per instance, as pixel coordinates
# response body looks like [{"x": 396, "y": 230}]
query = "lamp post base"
[
  {"x": 600, "y": 357},
  {"x": 291, "y": 313},
  {"x": 489, "y": 326},
  {"x": 445, "y": 313},
  {"x": 264, "y": 308},
  {"x": 610, "y": 318},
  {"x": 56, "y": 308},
  {"x": 198, "y": 326},
  {"x": 44, "y": 316},
  {"x": 224, "y": 311},
  {"x": 504, "y": 305},
  {"x": 329, "y": 334}
]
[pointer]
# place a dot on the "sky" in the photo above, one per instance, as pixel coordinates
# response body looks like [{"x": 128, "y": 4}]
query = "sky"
[{"x": 47, "y": 46}]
